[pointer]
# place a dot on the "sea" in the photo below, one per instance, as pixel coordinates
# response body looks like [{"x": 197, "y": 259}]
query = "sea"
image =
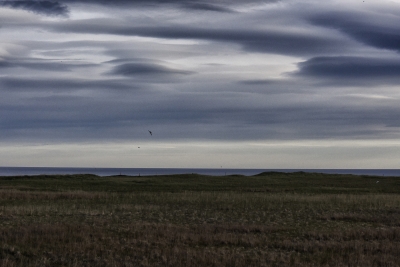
[{"x": 22, "y": 171}]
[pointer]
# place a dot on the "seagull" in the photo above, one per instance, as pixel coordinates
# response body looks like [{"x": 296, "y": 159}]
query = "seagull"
[{"x": 150, "y": 132}]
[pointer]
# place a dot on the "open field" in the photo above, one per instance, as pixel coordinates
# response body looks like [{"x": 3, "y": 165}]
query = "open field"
[{"x": 272, "y": 219}]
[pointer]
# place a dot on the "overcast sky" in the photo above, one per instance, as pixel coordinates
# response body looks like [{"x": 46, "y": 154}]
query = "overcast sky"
[{"x": 231, "y": 83}]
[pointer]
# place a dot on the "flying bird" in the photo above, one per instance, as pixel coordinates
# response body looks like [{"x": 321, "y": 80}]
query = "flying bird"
[{"x": 150, "y": 132}]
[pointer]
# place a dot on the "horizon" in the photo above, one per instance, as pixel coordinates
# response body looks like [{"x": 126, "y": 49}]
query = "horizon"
[{"x": 104, "y": 172}]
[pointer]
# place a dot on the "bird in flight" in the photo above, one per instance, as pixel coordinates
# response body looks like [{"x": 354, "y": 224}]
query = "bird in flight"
[{"x": 150, "y": 132}]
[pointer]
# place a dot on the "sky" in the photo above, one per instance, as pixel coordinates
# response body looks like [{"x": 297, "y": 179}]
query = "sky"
[{"x": 219, "y": 83}]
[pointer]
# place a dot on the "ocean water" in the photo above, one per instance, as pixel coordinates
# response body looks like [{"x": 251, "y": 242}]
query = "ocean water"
[{"x": 20, "y": 171}]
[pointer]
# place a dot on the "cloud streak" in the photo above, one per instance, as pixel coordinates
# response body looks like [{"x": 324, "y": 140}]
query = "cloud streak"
[
  {"x": 48, "y": 8},
  {"x": 268, "y": 41},
  {"x": 60, "y": 8},
  {"x": 384, "y": 34},
  {"x": 352, "y": 70},
  {"x": 145, "y": 69}
]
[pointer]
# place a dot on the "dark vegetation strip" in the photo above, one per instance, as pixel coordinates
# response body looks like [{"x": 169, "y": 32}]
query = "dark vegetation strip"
[{"x": 271, "y": 219}]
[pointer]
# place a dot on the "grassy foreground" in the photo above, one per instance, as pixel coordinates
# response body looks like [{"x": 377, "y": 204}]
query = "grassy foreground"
[{"x": 271, "y": 219}]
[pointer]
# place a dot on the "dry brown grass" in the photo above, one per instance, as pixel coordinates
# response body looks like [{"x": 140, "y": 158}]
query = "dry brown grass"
[
  {"x": 145, "y": 244},
  {"x": 197, "y": 228}
]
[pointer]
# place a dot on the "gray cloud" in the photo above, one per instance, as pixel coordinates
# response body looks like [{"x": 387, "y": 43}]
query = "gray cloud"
[
  {"x": 5, "y": 64},
  {"x": 62, "y": 85},
  {"x": 381, "y": 31},
  {"x": 60, "y": 8},
  {"x": 49, "y": 8},
  {"x": 258, "y": 82},
  {"x": 140, "y": 69},
  {"x": 244, "y": 98},
  {"x": 352, "y": 69},
  {"x": 270, "y": 41},
  {"x": 42, "y": 65},
  {"x": 191, "y": 117},
  {"x": 204, "y": 6}
]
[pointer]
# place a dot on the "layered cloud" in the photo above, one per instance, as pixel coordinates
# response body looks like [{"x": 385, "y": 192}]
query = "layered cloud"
[
  {"x": 49, "y": 8},
  {"x": 198, "y": 70},
  {"x": 60, "y": 8},
  {"x": 380, "y": 30},
  {"x": 145, "y": 69},
  {"x": 352, "y": 70},
  {"x": 266, "y": 41}
]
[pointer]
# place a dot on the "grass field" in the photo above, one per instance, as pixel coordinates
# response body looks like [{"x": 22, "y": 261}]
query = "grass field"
[{"x": 271, "y": 219}]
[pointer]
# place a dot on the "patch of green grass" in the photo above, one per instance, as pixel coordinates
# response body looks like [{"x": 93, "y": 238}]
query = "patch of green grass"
[{"x": 312, "y": 183}]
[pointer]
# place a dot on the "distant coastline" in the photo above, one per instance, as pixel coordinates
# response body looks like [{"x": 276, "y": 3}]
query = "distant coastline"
[{"x": 20, "y": 171}]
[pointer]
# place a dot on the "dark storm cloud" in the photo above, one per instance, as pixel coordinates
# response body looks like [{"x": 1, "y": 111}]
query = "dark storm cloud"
[
  {"x": 49, "y": 8},
  {"x": 60, "y": 8},
  {"x": 5, "y": 64},
  {"x": 270, "y": 41},
  {"x": 206, "y": 7},
  {"x": 381, "y": 31},
  {"x": 140, "y": 69},
  {"x": 352, "y": 69},
  {"x": 61, "y": 85}
]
